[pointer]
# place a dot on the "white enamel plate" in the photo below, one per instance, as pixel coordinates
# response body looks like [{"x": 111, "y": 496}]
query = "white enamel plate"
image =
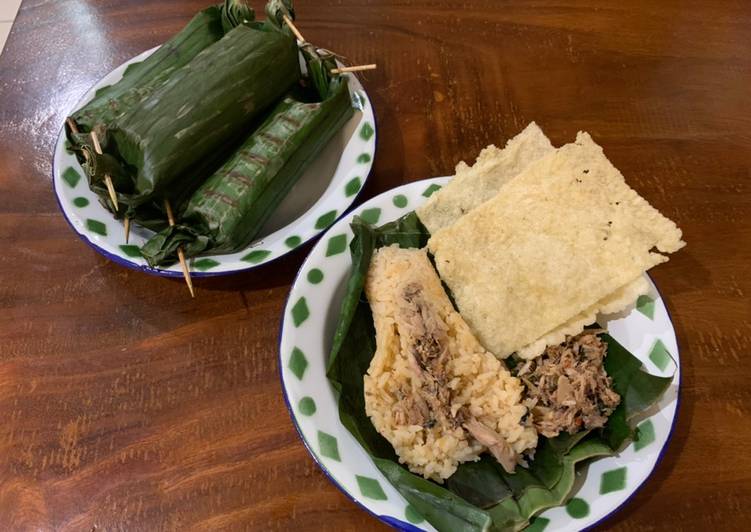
[
  {"x": 328, "y": 187},
  {"x": 307, "y": 329}
]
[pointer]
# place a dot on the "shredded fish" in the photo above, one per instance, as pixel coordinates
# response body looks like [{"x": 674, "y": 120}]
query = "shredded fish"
[{"x": 568, "y": 387}]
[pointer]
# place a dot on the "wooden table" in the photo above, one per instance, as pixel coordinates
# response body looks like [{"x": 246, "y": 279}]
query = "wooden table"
[{"x": 124, "y": 404}]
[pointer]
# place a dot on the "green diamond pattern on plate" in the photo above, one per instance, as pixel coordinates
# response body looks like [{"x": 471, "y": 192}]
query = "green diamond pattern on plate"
[
  {"x": 300, "y": 312},
  {"x": 315, "y": 276},
  {"x": 328, "y": 446},
  {"x": 293, "y": 241},
  {"x": 307, "y": 406},
  {"x": 80, "y": 202},
  {"x": 412, "y": 515},
  {"x": 646, "y": 305},
  {"x": 352, "y": 186},
  {"x": 366, "y": 132},
  {"x": 400, "y": 200},
  {"x": 613, "y": 480},
  {"x": 363, "y": 101},
  {"x": 71, "y": 177},
  {"x": 577, "y": 508},
  {"x": 537, "y": 524},
  {"x": 646, "y": 435},
  {"x": 326, "y": 220},
  {"x": 363, "y": 158},
  {"x": 204, "y": 264},
  {"x": 95, "y": 226},
  {"x": 371, "y": 488},
  {"x": 336, "y": 245},
  {"x": 256, "y": 256},
  {"x": 297, "y": 363},
  {"x": 659, "y": 355},
  {"x": 432, "y": 189},
  {"x": 371, "y": 215},
  {"x": 130, "y": 250}
]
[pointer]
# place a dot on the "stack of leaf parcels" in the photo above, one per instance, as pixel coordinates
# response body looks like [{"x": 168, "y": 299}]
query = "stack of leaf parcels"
[{"x": 220, "y": 122}]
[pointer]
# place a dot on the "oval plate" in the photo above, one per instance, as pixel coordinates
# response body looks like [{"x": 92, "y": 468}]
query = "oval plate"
[
  {"x": 308, "y": 324},
  {"x": 325, "y": 191}
]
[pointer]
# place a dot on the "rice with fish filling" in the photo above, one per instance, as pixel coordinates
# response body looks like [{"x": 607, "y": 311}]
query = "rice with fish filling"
[{"x": 431, "y": 389}]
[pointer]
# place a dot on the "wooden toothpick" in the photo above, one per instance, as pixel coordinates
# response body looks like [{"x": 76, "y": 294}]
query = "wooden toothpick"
[
  {"x": 357, "y": 68},
  {"x": 107, "y": 178},
  {"x": 127, "y": 229},
  {"x": 180, "y": 253},
  {"x": 74, "y": 128},
  {"x": 108, "y": 181},
  {"x": 342, "y": 70},
  {"x": 288, "y": 22}
]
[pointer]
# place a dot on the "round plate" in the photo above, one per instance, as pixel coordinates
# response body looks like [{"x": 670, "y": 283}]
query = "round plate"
[
  {"x": 324, "y": 192},
  {"x": 308, "y": 324}
]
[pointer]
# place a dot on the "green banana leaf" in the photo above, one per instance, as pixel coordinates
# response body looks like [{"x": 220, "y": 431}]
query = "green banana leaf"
[
  {"x": 143, "y": 78},
  {"x": 319, "y": 63},
  {"x": 170, "y": 140},
  {"x": 140, "y": 79},
  {"x": 236, "y": 12},
  {"x": 230, "y": 207},
  {"x": 480, "y": 495},
  {"x": 200, "y": 110}
]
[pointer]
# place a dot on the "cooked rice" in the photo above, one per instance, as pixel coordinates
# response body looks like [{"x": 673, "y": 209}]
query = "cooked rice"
[{"x": 430, "y": 378}]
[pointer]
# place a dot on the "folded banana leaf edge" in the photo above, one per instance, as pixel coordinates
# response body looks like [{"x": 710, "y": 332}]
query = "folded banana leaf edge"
[{"x": 480, "y": 496}]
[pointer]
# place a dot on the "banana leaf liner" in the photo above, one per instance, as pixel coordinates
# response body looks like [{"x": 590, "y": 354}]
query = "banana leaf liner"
[{"x": 229, "y": 209}]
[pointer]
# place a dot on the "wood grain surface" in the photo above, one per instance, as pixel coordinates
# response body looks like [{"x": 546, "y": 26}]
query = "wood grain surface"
[{"x": 125, "y": 405}]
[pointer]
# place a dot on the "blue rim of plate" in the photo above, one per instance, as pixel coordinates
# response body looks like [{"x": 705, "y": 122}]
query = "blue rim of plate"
[
  {"x": 407, "y": 527},
  {"x": 194, "y": 274}
]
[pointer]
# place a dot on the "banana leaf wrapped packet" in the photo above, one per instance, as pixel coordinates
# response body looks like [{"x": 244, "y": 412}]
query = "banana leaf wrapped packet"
[
  {"x": 229, "y": 209},
  {"x": 139, "y": 81},
  {"x": 165, "y": 145},
  {"x": 142, "y": 78}
]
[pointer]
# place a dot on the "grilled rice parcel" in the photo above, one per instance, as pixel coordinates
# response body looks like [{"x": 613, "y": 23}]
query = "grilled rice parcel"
[
  {"x": 217, "y": 125},
  {"x": 532, "y": 243}
]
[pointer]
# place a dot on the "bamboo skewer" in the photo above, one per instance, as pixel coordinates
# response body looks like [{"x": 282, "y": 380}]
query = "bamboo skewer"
[
  {"x": 74, "y": 128},
  {"x": 357, "y": 68},
  {"x": 180, "y": 253},
  {"x": 288, "y": 22},
  {"x": 107, "y": 178},
  {"x": 340, "y": 70}
]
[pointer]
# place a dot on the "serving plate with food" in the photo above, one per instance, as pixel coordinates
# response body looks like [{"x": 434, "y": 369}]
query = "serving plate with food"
[
  {"x": 495, "y": 351},
  {"x": 223, "y": 149}
]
